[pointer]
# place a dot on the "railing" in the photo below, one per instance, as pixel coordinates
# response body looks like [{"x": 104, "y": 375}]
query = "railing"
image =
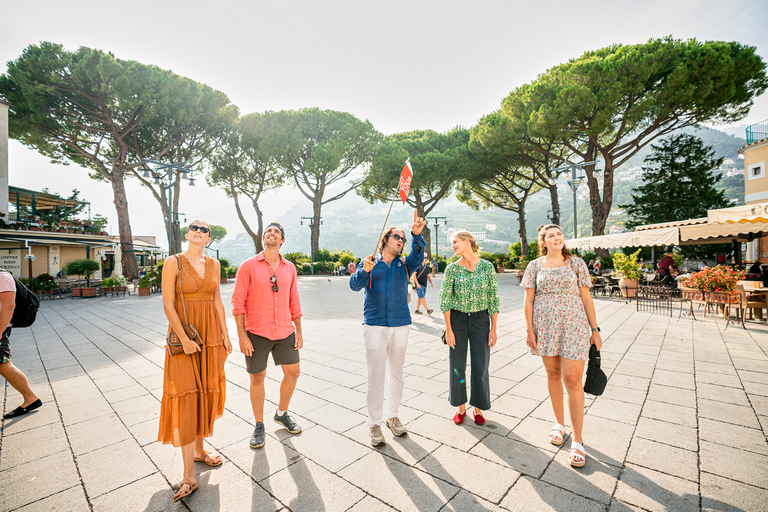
[
  {"x": 655, "y": 299},
  {"x": 757, "y": 131}
]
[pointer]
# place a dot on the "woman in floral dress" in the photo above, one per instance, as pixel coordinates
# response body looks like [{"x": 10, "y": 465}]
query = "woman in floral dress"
[
  {"x": 469, "y": 300},
  {"x": 560, "y": 327}
]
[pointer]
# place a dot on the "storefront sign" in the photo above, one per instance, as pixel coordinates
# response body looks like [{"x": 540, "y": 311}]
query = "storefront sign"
[{"x": 10, "y": 259}]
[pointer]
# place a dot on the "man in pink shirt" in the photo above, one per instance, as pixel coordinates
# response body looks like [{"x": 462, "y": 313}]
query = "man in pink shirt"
[
  {"x": 13, "y": 375},
  {"x": 267, "y": 311}
]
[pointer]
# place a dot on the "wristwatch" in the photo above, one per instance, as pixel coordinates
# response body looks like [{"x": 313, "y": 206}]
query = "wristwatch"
[{"x": 595, "y": 329}]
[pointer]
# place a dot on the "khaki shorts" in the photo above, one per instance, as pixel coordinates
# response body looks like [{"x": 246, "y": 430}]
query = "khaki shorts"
[{"x": 283, "y": 352}]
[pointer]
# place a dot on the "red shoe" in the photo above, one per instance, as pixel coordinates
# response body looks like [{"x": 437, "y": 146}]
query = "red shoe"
[
  {"x": 459, "y": 418},
  {"x": 478, "y": 418}
]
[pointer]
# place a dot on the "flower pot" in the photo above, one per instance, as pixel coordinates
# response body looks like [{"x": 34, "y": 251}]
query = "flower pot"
[
  {"x": 500, "y": 269},
  {"x": 223, "y": 280},
  {"x": 145, "y": 292},
  {"x": 722, "y": 297},
  {"x": 121, "y": 288},
  {"x": 89, "y": 292},
  {"x": 628, "y": 287},
  {"x": 520, "y": 274},
  {"x": 77, "y": 292},
  {"x": 692, "y": 294}
]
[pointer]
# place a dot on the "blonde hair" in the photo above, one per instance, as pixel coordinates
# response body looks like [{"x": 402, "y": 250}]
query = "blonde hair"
[
  {"x": 388, "y": 234},
  {"x": 467, "y": 236},
  {"x": 543, "y": 247}
]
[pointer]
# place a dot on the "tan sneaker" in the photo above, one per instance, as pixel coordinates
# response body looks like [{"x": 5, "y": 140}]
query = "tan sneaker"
[
  {"x": 377, "y": 438},
  {"x": 396, "y": 426}
]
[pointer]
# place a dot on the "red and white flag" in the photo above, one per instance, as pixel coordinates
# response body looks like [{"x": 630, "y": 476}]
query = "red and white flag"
[{"x": 405, "y": 180}]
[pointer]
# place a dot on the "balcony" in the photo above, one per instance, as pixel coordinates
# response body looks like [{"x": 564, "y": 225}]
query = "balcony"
[{"x": 757, "y": 131}]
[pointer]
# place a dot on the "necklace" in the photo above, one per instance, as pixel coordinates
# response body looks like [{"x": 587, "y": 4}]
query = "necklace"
[{"x": 555, "y": 264}]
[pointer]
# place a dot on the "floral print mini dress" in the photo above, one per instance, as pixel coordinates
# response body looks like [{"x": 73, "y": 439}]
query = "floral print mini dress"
[{"x": 559, "y": 319}]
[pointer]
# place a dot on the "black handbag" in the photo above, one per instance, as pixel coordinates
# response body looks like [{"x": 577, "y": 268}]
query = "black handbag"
[{"x": 596, "y": 379}]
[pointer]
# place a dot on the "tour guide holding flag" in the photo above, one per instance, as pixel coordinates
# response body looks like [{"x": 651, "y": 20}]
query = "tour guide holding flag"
[{"x": 386, "y": 320}]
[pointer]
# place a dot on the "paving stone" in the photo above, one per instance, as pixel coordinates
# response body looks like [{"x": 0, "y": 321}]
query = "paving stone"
[
  {"x": 759, "y": 404},
  {"x": 672, "y": 395},
  {"x": 596, "y": 480},
  {"x": 718, "y": 379},
  {"x": 746, "y": 467},
  {"x": 443, "y": 430},
  {"x": 735, "y": 436},
  {"x": 133, "y": 462},
  {"x": 723, "y": 394},
  {"x": 138, "y": 410},
  {"x": 230, "y": 428},
  {"x": 633, "y": 396},
  {"x": 260, "y": 464},
  {"x": 663, "y": 458},
  {"x": 534, "y": 431},
  {"x": 531, "y": 494},
  {"x": 615, "y": 410},
  {"x": 409, "y": 448},
  {"x": 671, "y": 413},
  {"x": 513, "y": 405},
  {"x": 724, "y": 495},
  {"x": 606, "y": 440},
  {"x": 145, "y": 432},
  {"x": 651, "y": 490},
  {"x": 69, "y": 500},
  {"x": 522, "y": 457},
  {"x": 728, "y": 413},
  {"x": 533, "y": 387},
  {"x": 466, "y": 502},
  {"x": 667, "y": 433},
  {"x": 335, "y": 417},
  {"x": 151, "y": 493},
  {"x": 26, "y": 446},
  {"x": 474, "y": 474},
  {"x": 307, "y": 486},
  {"x": 99, "y": 432},
  {"x": 226, "y": 488},
  {"x": 328, "y": 449},
  {"x": 35, "y": 480},
  {"x": 370, "y": 504},
  {"x": 405, "y": 488}
]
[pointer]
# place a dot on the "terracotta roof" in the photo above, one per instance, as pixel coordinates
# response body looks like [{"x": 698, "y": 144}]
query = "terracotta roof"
[{"x": 752, "y": 144}]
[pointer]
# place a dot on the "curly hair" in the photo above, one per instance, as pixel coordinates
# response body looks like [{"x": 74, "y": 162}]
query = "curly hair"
[
  {"x": 466, "y": 235},
  {"x": 388, "y": 234},
  {"x": 543, "y": 247}
]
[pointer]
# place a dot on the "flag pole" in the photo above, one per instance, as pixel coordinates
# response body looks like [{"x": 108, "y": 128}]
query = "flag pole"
[{"x": 375, "y": 251}]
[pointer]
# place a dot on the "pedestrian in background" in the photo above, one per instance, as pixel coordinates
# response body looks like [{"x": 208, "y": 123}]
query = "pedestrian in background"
[{"x": 469, "y": 300}]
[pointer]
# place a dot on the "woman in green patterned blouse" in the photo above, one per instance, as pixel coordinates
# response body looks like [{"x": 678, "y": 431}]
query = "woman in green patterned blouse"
[{"x": 469, "y": 300}]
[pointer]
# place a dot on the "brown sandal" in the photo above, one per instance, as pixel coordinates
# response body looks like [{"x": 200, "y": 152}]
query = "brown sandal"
[
  {"x": 210, "y": 459},
  {"x": 178, "y": 496}
]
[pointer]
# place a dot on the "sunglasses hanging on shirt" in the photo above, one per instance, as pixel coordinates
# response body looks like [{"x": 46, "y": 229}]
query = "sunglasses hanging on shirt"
[{"x": 273, "y": 280}]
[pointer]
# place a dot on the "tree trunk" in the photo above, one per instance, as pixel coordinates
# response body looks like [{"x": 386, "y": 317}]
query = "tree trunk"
[
  {"x": 255, "y": 236},
  {"x": 260, "y": 225},
  {"x": 174, "y": 218},
  {"x": 316, "y": 210},
  {"x": 522, "y": 231},
  {"x": 130, "y": 268},
  {"x": 555, "y": 200},
  {"x": 600, "y": 208}
]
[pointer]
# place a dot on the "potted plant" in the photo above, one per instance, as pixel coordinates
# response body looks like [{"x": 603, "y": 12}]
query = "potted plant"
[
  {"x": 223, "y": 277},
  {"x": 83, "y": 267},
  {"x": 145, "y": 284},
  {"x": 120, "y": 283},
  {"x": 627, "y": 268},
  {"x": 107, "y": 285},
  {"x": 716, "y": 283}
]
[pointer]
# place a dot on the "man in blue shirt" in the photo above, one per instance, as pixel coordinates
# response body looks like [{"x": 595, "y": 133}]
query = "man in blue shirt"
[{"x": 386, "y": 320}]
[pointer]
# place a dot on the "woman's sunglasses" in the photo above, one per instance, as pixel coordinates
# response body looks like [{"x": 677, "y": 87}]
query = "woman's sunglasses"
[
  {"x": 273, "y": 280},
  {"x": 399, "y": 238},
  {"x": 201, "y": 229}
]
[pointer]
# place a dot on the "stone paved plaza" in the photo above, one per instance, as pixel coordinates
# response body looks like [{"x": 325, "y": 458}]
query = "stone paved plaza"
[{"x": 681, "y": 426}]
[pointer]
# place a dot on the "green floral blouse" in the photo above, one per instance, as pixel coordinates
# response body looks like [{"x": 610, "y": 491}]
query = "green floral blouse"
[{"x": 470, "y": 292}]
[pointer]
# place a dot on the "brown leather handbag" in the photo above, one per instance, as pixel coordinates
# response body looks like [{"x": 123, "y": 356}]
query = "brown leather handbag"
[{"x": 173, "y": 343}]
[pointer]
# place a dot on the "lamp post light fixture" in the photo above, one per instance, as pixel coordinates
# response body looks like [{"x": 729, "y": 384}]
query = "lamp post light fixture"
[
  {"x": 167, "y": 177},
  {"x": 311, "y": 250},
  {"x": 553, "y": 214},
  {"x": 574, "y": 182},
  {"x": 437, "y": 224}
]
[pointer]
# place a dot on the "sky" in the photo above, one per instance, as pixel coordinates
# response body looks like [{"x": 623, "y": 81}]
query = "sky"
[{"x": 401, "y": 65}]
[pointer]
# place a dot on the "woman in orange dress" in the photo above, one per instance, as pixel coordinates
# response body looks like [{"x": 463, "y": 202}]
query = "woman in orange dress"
[{"x": 194, "y": 385}]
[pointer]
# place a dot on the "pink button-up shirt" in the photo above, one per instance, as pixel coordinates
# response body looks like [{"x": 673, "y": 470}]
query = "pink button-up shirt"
[{"x": 267, "y": 313}]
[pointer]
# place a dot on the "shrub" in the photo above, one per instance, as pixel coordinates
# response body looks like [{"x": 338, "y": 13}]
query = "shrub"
[
  {"x": 627, "y": 267},
  {"x": 145, "y": 281},
  {"x": 323, "y": 255},
  {"x": 82, "y": 267},
  {"x": 44, "y": 282},
  {"x": 606, "y": 262},
  {"x": 296, "y": 257},
  {"x": 587, "y": 256},
  {"x": 224, "y": 262}
]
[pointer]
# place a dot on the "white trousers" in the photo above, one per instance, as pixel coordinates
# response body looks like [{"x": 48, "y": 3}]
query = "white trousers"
[{"x": 385, "y": 355}]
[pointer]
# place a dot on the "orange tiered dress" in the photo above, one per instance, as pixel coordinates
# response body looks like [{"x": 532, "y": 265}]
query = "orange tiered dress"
[{"x": 194, "y": 386}]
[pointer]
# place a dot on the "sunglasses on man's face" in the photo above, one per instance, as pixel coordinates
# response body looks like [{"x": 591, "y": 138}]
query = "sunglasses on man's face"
[
  {"x": 399, "y": 238},
  {"x": 273, "y": 280},
  {"x": 201, "y": 229}
]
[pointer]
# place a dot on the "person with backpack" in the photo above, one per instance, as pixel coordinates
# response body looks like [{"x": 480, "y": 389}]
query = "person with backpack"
[
  {"x": 13, "y": 375},
  {"x": 420, "y": 278}
]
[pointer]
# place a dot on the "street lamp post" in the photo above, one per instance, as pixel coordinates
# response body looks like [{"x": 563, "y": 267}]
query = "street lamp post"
[
  {"x": 311, "y": 249},
  {"x": 574, "y": 183},
  {"x": 167, "y": 176},
  {"x": 437, "y": 220}
]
